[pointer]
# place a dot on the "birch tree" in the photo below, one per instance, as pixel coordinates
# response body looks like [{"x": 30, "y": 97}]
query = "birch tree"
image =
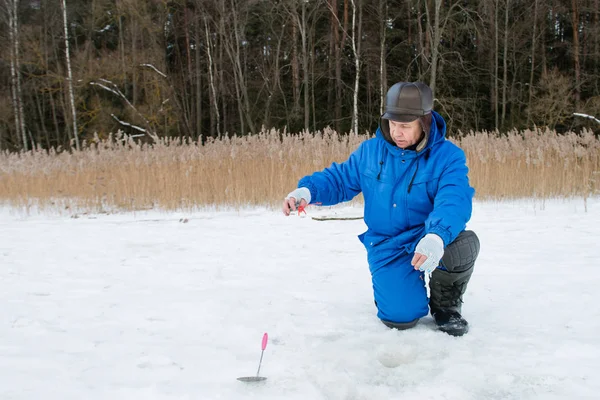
[
  {"x": 214, "y": 116},
  {"x": 11, "y": 7},
  {"x": 356, "y": 39},
  {"x": 63, "y": 5}
]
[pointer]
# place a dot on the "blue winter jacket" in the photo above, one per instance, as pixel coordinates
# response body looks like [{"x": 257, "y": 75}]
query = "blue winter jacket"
[{"x": 407, "y": 194}]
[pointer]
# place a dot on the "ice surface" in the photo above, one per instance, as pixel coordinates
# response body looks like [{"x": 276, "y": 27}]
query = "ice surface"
[{"x": 145, "y": 306}]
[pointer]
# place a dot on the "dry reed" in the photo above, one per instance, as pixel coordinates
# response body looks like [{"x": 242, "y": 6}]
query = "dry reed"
[{"x": 119, "y": 173}]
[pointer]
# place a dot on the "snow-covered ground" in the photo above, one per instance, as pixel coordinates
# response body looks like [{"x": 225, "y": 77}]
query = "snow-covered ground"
[{"x": 145, "y": 306}]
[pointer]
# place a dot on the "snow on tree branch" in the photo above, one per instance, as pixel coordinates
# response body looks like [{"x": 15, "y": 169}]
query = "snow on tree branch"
[
  {"x": 115, "y": 90},
  {"x": 155, "y": 69},
  {"x": 104, "y": 87},
  {"x": 587, "y": 116},
  {"x": 129, "y": 125}
]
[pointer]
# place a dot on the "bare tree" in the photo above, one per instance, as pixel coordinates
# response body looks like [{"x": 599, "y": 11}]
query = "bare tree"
[
  {"x": 575, "y": 49},
  {"x": 300, "y": 25},
  {"x": 597, "y": 40},
  {"x": 356, "y": 40},
  {"x": 505, "y": 60},
  {"x": 63, "y": 6},
  {"x": 553, "y": 99},
  {"x": 382, "y": 54},
  {"x": 338, "y": 45},
  {"x": 496, "y": 68},
  {"x": 295, "y": 62},
  {"x": 15, "y": 70},
  {"x": 198, "y": 74},
  {"x": 300, "y": 64},
  {"x": 533, "y": 48},
  {"x": 213, "y": 91},
  {"x": 435, "y": 35},
  {"x": 305, "y": 66},
  {"x": 233, "y": 41},
  {"x": 273, "y": 81}
]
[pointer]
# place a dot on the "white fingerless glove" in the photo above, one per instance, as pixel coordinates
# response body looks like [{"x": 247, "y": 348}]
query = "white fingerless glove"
[
  {"x": 432, "y": 246},
  {"x": 299, "y": 194}
]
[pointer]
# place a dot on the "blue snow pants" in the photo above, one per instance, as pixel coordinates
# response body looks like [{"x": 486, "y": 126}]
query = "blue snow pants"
[{"x": 399, "y": 289}]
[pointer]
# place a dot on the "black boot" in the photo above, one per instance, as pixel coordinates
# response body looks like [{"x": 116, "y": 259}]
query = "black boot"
[{"x": 449, "y": 282}]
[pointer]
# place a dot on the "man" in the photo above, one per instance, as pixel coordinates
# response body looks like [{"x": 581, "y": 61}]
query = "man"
[{"x": 417, "y": 201}]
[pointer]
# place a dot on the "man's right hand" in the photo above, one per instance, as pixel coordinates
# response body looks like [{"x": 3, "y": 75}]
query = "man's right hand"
[{"x": 299, "y": 197}]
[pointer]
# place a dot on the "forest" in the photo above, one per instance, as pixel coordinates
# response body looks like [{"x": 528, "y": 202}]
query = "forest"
[{"x": 75, "y": 71}]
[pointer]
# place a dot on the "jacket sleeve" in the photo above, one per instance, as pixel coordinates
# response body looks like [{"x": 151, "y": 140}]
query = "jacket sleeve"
[
  {"x": 337, "y": 183},
  {"x": 453, "y": 202}
]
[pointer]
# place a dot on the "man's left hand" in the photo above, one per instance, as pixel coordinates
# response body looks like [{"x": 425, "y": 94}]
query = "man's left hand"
[{"x": 428, "y": 253}]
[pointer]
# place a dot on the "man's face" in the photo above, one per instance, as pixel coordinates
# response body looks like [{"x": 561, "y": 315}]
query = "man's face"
[{"x": 405, "y": 134}]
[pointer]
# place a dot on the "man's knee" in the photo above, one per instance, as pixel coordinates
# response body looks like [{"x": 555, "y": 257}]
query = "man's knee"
[
  {"x": 402, "y": 316},
  {"x": 399, "y": 292},
  {"x": 460, "y": 255}
]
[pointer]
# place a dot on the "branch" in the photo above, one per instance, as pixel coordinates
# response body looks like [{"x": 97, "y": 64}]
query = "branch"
[
  {"x": 115, "y": 90},
  {"x": 155, "y": 69},
  {"x": 587, "y": 116},
  {"x": 129, "y": 125},
  {"x": 105, "y": 88}
]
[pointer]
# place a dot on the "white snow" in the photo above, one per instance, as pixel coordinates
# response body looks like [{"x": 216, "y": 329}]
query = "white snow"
[{"x": 145, "y": 306}]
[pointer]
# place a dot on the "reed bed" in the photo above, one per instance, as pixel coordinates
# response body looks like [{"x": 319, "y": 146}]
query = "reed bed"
[
  {"x": 121, "y": 174},
  {"x": 533, "y": 164}
]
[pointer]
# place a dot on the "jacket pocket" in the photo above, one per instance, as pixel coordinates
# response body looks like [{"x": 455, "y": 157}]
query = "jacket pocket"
[
  {"x": 377, "y": 189},
  {"x": 421, "y": 199}
]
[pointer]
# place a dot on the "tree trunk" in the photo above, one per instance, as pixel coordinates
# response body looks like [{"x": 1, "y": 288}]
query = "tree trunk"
[
  {"x": 332, "y": 4},
  {"x": 356, "y": 50},
  {"x": 597, "y": 39},
  {"x": 198, "y": 75},
  {"x": 213, "y": 99},
  {"x": 120, "y": 15},
  {"x": 532, "y": 71},
  {"x": 38, "y": 104},
  {"x": 241, "y": 88},
  {"x": 312, "y": 87},
  {"x": 505, "y": 64},
  {"x": 382, "y": 54},
  {"x": 435, "y": 37},
  {"x": 70, "y": 75},
  {"x": 338, "y": 70},
  {"x": 295, "y": 62},
  {"x": 575, "y": 48},
  {"x": 496, "y": 62},
  {"x": 221, "y": 71},
  {"x": 543, "y": 27},
  {"x": 189, "y": 99},
  {"x": 338, "y": 67},
  {"x": 421, "y": 54},
  {"x": 303, "y": 33},
  {"x": 275, "y": 81},
  {"x": 15, "y": 72},
  {"x": 54, "y": 117},
  {"x": 134, "y": 58},
  {"x": 338, "y": 63}
]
